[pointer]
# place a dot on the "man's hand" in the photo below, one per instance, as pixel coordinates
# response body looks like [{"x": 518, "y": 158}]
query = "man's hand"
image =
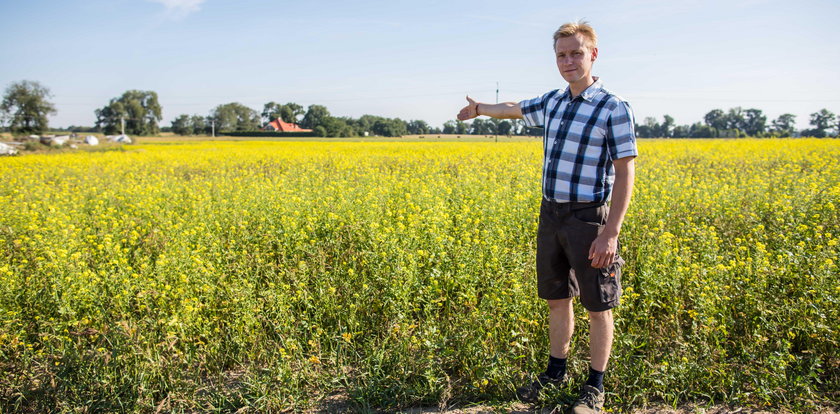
[
  {"x": 603, "y": 248},
  {"x": 470, "y": 111}
]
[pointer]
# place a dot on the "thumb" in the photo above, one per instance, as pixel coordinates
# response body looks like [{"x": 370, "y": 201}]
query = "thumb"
[
  {"x": 592, "y": 250},
  {"x": 470, "y": 100}
]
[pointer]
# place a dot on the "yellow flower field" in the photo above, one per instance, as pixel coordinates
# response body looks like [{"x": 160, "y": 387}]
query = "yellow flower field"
[{"x": 269, "y": 275}]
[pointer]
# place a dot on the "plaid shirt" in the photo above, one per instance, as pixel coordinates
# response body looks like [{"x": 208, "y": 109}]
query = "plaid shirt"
[{"x": 582, "y": 137}]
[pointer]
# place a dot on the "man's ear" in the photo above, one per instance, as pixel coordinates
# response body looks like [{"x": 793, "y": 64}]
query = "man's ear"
[{"x": 594, "y": 53}]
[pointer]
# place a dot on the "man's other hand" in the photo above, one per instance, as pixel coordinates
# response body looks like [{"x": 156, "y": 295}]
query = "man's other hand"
[{"x": 470, "y": 111}]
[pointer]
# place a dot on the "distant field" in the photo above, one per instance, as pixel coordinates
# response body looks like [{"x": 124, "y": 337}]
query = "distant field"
[
  {"x": 406, "y": 138},
  {"x": 267, "y": 276}
]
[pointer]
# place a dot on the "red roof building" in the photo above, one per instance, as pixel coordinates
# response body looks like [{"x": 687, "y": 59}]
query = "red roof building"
[{"x": 280, "y": 126}]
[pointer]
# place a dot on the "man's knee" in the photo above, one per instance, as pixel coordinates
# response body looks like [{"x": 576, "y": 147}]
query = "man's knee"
[
  {"x": 559, "y": 304},
  {"x": 603, "y": 316}
]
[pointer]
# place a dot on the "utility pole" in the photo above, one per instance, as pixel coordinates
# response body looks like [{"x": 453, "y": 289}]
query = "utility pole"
[
  {"x": 497, "y": 102},
  {"x": 213, "y": 127},
  {"x": 122, "y": 125}
]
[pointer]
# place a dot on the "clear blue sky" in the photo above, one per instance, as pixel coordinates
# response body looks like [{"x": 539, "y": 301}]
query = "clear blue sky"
[{"x": 417, "y": 60}]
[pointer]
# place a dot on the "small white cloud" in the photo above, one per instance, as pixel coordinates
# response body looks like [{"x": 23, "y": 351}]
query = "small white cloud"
[{"x": 180, "y": 8}]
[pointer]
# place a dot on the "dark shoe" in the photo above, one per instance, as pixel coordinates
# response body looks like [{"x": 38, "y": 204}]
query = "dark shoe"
[
  {"x": 591, "y": 401},
  {"x": 531, "y": 393}
]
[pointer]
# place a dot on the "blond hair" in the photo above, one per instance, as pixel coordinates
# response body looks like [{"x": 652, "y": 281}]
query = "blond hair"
[{"x": 582, "y": 28}]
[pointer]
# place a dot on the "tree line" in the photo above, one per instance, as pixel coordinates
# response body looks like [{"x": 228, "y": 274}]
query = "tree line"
[
  {"x": 738, "y": 122},
  {"x": 26, "y": 106}
]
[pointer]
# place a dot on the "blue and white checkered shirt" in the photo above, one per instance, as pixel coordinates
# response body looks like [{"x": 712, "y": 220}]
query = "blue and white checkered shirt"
[{"x": 582, "y": 137}]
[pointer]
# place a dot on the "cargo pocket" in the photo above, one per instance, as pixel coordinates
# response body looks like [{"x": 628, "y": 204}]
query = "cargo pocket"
[{"x": 611, "y": 281}]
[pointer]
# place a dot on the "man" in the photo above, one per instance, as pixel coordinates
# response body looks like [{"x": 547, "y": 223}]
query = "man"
[{"x": 589, "y": 149}]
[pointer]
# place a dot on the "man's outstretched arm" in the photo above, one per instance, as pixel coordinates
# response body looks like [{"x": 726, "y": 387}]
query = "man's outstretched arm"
[{"x": 504, "y": 110}]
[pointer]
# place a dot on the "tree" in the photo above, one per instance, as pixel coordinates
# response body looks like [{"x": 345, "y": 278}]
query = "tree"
[
  {"x": 200, "y": 125},
  {"x": 390, "y": 127},
  {"x": 462, "y": 128},
  {"x": 418, "y": 127},
  {"x": 140, "y": 111},
  {"x": 25, "y": 106},
  {"x": 665, "y": 130},
  {"x": 735, "y": 119},
  {"x": 271, "y": 111},
  {"x": 699, "y": 130},
  {"x": 182, "y": 125},
  {"x": 649, "y": 129},
  {"x": 755, "y": 123},
  {"x": 505, "y": 127},
  {"x": 449, "y": 127},
  {"x": 784, "y": 125},
  {"x": 336, "y": 127},
  {"x": 315, "y": 115},
  {"x": 291, "y": 112},
  {"x": 681, "y": 131},
  {"x": 716, "y": 119},
  {"x": 822, "y": 121},
  {"x": 480, "y": 127},
  {"x": 235, "y": 117}
]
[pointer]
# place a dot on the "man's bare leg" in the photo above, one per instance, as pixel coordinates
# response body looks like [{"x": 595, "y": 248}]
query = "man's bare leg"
[
  {"x": 600, "y": 338},
  {"x": 561, "y": 325}
]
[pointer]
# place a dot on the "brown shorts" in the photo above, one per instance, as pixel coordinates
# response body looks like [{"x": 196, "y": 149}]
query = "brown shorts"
[{"x": 565, "y": 234}]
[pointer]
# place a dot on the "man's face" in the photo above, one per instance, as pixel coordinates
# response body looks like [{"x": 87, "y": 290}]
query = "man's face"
[{"x": 574, "y": 57}]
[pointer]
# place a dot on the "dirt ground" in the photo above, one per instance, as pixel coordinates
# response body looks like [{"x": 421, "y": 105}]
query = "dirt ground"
[
  {"x": 340, "y": 405},
  {"x": 525, "y": 409}
]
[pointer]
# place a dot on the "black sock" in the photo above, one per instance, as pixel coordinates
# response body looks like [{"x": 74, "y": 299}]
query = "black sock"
[
  {"x": 596, "y": 379},
  {"x": 556, "y": 367}
]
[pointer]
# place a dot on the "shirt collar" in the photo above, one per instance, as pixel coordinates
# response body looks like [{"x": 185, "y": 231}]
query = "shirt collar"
[{"x": 588, "y": 93}]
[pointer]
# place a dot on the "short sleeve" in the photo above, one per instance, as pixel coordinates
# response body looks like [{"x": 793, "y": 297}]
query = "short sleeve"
[
  {"x": 533, "y": 110},
  {"x": 621, "y": 132}
]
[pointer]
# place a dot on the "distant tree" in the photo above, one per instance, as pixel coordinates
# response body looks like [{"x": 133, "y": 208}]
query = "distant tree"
[
  {"x": 665, "y": 129},
  {"x": 822, "y": 121},
  {"x": 235, "y": 117},
  {"x": 462, "y": 128},
  {"x": 291, "y": 112},
  {"x": 365, "y": 123},
  {"x": 200, "y": 125},
  {"x": 480, "y": 127},
  {"x": 716, "y": 119},
  {"x": 784, "y": 125},
  {"x": 417, "y": 127},
  {"x": 182, "y": 125},
  {"x": 314, "y": 116},
  {"x": 25, "y": 107},
  {"x": 493, "y": 126},
  {"x": 505, "y": 127},
  {"x": 755, "y": 123},
  {"x": 735, "y": 119},
  {"x": 140, "y": 111},
  {"x": 336, "y": 127},
  {"x": 699, "y": 130},
  {"x": 449, "y": 127},
  {"x": 681, "y": 131},
  {"x": 390, "y": 127},
  {"x": 271, "y": 111},
  {"x": 320, "y": 131},
  {"x": 649, "y": 129}
]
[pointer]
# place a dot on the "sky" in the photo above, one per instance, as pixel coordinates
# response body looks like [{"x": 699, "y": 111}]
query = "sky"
[{"x": 418, "y": 60}]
